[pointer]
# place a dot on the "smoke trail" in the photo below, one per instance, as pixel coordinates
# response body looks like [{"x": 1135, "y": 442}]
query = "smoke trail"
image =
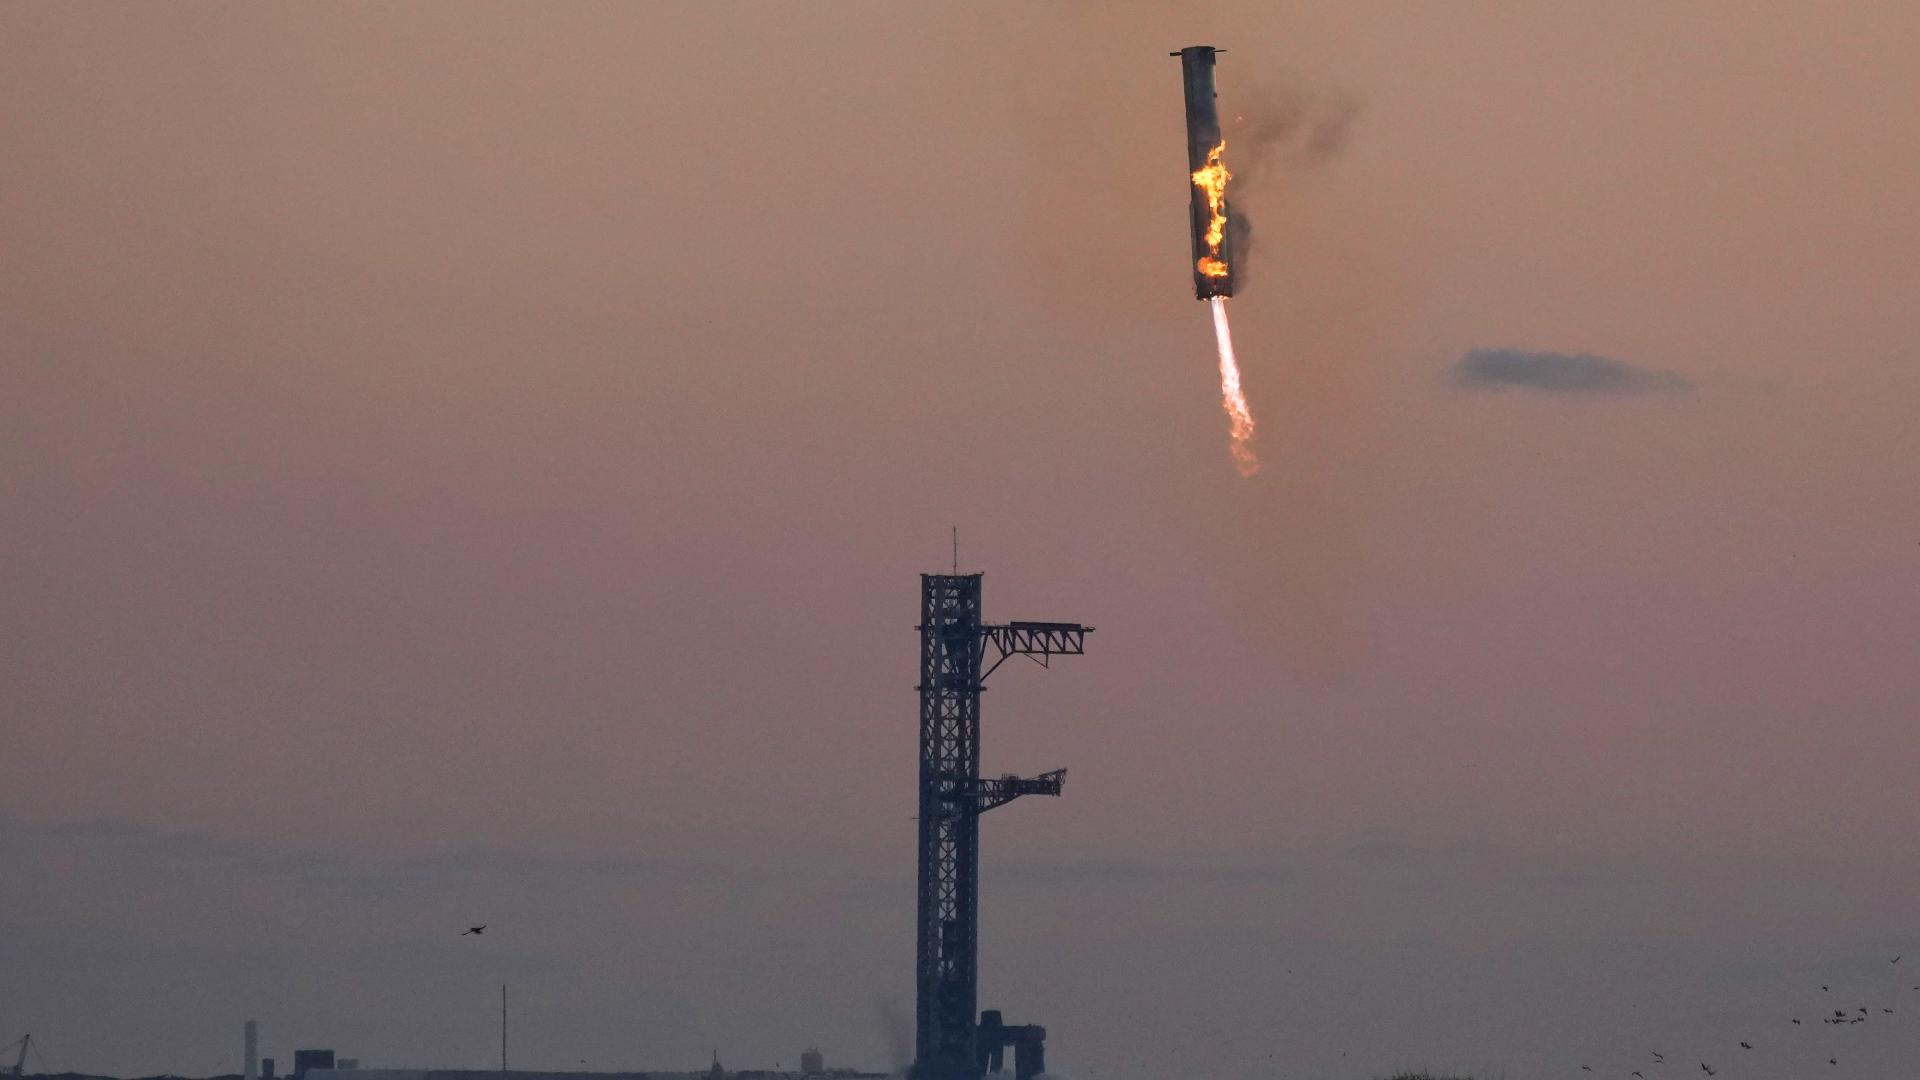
[
  {"x": 897, "y": 1028},
  {"x": 1239, "y": 418}
]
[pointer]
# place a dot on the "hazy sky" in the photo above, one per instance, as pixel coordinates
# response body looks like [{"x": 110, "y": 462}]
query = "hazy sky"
[{"x": 470, "y": 463}]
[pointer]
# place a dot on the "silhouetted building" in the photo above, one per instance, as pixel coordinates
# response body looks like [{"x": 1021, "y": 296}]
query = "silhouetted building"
[
  {"x": 517, "y": 1074},
  {"x": 812, "y": 1061},
  {"x": 376, "y": 1073},
  {"x": 251, "y": 1035},
  {"x": 266, "y": 1069},
  {"x": 1029, "y": 1042},
  {"x": 310, "y": 1059}
]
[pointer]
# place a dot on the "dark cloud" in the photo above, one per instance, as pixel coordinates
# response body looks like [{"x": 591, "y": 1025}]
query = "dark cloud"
[{"x": 1561, "y": 373}]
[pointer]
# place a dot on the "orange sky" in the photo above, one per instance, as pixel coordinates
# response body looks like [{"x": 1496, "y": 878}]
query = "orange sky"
[{"x": 444, "y": 441}]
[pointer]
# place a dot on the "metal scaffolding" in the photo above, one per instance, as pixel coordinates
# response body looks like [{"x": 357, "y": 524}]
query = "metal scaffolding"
[{"x": 950, "y": 1043}]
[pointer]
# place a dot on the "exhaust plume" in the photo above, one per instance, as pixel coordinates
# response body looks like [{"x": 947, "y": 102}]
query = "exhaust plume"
[{"x": 1232, "y": 399}]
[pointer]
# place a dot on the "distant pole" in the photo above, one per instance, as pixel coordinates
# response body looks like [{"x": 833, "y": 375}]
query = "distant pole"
[{"x": 503, "y": 1027}]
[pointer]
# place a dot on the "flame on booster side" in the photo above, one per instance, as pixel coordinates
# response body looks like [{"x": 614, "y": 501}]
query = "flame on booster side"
[
  {"x": 1212, "y": 178},
  {"x": 1239, "y": 417}
]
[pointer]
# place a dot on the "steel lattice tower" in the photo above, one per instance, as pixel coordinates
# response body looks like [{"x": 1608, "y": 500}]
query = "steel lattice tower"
[{"x": 950, "y": 1043}]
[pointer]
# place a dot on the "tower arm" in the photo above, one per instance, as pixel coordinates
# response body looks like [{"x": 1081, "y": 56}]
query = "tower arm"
[
  {"x": 992, "y": 793},
  {"x": 1039, "y": 640}
]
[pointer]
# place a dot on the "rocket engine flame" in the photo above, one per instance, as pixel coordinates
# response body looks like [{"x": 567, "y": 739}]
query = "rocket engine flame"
[
  {"x": 1232, "y": 398},
  {"x": 1212, "y": 178}
]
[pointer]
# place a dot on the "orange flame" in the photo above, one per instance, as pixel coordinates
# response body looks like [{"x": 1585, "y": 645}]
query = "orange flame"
[{"x": 1212, "y": 178}]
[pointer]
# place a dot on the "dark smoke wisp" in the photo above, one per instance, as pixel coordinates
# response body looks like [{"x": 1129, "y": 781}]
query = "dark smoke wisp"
[
  {"x": 897, "y": 1027},
  {"x": 1282, "y": 128},
  {"x": 1286, "y": 126}
]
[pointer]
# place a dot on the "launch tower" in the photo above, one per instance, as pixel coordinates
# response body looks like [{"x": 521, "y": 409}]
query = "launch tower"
[{"x": 952, "y": 1040}]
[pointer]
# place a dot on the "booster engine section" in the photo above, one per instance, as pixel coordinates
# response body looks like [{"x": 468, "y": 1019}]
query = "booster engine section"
[{"x": 1208, "y": 211}]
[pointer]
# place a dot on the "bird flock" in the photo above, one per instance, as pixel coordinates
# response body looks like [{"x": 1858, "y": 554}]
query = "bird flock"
[{"x": 1842, "y": 1017}]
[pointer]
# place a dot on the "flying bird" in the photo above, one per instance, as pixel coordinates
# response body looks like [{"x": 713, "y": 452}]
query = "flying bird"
[
  {"x": 1746, "y": 1045},
  {"x": 481, "y": 929},
  {"x": 1833, "y": 1061},
  {"x": 1586, "y": 1068},
  {"x": 1896, "y": 959},
  {"x": 1796, "y": 1019},
  {"x": 1889, "y": 1011},
  {"x": 1706, "y": 1069},
  {"x": 1658, "y": 1058},
  {"x": 1636, "y": 1072}
]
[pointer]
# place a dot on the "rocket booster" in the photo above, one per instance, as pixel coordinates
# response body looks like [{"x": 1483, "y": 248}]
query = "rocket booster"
[{"x": 1203, "y": 142}]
